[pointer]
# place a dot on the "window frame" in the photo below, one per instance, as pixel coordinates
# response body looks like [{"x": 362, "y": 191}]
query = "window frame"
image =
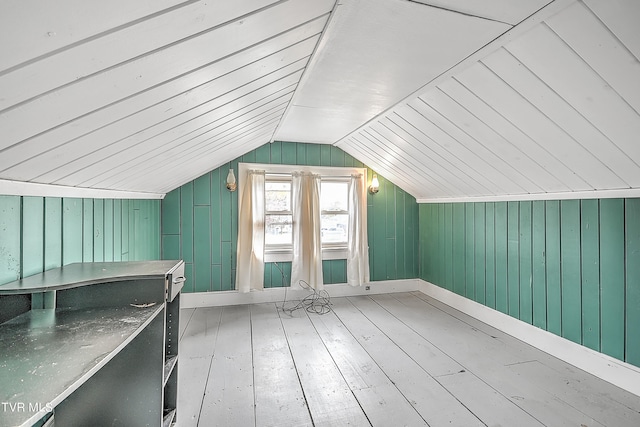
[{"x": 283, "y": 253}]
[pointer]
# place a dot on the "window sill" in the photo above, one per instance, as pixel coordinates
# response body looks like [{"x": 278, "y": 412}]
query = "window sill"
[{"x": 287, "y": 256}]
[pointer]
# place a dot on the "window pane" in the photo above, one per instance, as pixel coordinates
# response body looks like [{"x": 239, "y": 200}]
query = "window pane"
[
  {"x": 277, "y": 196},
  {"x": 334, "y": 228},
  {"x": 278, "y": 230},
  {"x": 333, "y": 196}
]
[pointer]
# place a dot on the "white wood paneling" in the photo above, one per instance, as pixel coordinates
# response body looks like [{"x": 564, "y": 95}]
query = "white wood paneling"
[
  {"x": 368, "y": 45},
  {"x": 500, "y": 10},
  {"x": 35, "y": 28}
]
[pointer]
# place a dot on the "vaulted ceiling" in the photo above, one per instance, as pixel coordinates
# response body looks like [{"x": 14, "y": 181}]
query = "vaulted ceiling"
[{"x": 450, "y": 100}]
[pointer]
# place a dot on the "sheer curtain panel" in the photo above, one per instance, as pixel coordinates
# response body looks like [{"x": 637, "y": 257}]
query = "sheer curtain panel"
[
  {"x": 358, "y": 249},
  {"x": 307, "y": 246},
  {"x": 250, "y": 253}
]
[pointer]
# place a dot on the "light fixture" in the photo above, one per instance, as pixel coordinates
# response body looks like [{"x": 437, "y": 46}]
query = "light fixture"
[
  {"x": 375, "y": 185},
  {"x": 231, "y": 181}
]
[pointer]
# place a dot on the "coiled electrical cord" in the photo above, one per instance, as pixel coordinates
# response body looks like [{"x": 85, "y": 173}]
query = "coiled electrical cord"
[{"x": 318, "y": 302}]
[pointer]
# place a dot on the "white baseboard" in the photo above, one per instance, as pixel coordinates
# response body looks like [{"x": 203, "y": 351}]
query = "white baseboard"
[
  {"x": 213, "y": 299},
  {"x": 619, "y": 373}
]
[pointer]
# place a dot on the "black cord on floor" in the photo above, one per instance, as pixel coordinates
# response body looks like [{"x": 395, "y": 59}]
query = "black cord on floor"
[{"x": 318, "y": 302}]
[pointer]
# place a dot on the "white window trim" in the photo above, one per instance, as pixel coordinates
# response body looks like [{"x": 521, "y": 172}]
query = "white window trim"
[{"x": 284, "y": 255}]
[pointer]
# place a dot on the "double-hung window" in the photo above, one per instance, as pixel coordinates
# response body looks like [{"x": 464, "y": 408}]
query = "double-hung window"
[{"x": 278, "y": 217}]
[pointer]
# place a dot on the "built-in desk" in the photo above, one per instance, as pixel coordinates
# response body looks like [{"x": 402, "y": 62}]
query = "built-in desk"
[{"x": 103, "y": 353}]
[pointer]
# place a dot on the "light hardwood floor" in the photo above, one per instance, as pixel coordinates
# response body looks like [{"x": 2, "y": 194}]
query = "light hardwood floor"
[{"x": 383, "y": 360}]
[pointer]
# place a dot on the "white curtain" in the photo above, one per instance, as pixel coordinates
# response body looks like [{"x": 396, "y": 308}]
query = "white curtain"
[
  {"x": 358, "y": 250},
  {"x": 307, "y": 246},
  {"x": 250, "y": 253}
]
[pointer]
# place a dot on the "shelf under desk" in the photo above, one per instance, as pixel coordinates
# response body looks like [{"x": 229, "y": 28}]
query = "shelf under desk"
[{"x": 48, "y": 354}]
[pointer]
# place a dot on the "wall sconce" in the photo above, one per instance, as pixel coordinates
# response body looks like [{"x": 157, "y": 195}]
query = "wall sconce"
[
  {"x": 375, "y": 185},
  {"x": 231, "y": 181}
]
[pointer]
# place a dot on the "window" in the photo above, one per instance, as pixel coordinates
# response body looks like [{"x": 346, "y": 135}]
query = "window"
[
  {"x": 334, "y": 212},
  {"x": 278, "y": 218}
]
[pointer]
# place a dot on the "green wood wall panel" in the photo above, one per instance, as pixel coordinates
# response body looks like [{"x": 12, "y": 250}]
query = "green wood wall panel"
[
  {"x": 337, "y": 157},
  {"x": 301, "y": 154},
  {"x": 98, "y": 230},
  {"x": 125, "y": 229},
  {"x": 480, "y": 255},
  {"x": 469, "y": 251},
  {"x": 188, "y": 274},
  {"x": 554, "y": 281},
  {"x": 87, "y": 230},
  {"x": 400, "y": 229},
  {"x": 289, "y": 153},
  {"x": 186, "y": 222},
  {"x": 276, "y": 152},
  {"x": 501, "y": 244},
  {"x": 325, "y": 156},
  {"x": 490, "y": 255},
  {"x": 228, "y": 209},
  {"x": 590, "y": 254},
  {"x": 202, "y": 248},
  {"x": 52, "y": 232},
  {"x": 227, "y": 283},
  {"x": 441, "y": 255},
  {"x": 313, "y": 155},
  {"x": 56, "y": 231},
  {"x": 326, "y": 272},
  {"x": 263, "y": 154},
  {"x": 32, "y": 235},
  {"x": 459, "y": 261},
  {"x": 171, "y": 212},
  {"x": 513, "y": 259},
  {"x": 425, "y": 244},
  {"x": 170, "y": 246},
  {"x": 539, "y": 268},
  {"x": 202, "y": 190},
  {"x": 249, "y": 157},
  {"x": 632, "y": 249},
  {"x": 612, "y": 277},
  {"x": 10, "y": 226},
  {"x": 339, "y": 270},
  {"x": 218, "y": 231},
  {"x": 577, "y": 264},
  {"x": 570, "y": 268},
  {"x": 526, "y": 273},
  {"x": 71, "y": 230},
  {"x": 117, "y": 230},
  {"x": 448, "y": 246},
  {"x": 108, "y": 230},
  {"x": 216, "y": 277}
]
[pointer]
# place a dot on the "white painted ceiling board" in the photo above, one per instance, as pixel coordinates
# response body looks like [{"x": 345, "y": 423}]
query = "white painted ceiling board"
[
  {"x": 567, "y": 118},
  {"x": 153, "y": 69},
  {"x": 508, "y": 141},
  {"x": 37, "y": 28},
  {"x": 457, "y": 122},
  {"x": 366, "y": 48},
  {"x": 598, "y": 47},
  {"x": 508, "y": 11},
  {"x": 154, "y": 135},
  {"x": 621, "y": 17},
  {"x": 200, "y": 141},
  {"x": 423, "y": 150},
  {"x": 98, "y": 54},
  {"x": 92, "y": 125},
  {"x": 569, "y": 76}
]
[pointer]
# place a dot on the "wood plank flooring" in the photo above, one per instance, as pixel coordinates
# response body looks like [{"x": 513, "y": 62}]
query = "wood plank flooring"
[{"x": 383, "y": 360}]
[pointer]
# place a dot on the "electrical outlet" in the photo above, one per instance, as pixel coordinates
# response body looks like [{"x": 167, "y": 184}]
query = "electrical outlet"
[{"x": 367, "y": 288}]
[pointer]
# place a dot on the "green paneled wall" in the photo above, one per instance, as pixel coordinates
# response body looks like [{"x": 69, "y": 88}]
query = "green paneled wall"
[
  {"x": 199, "y": 223},
  {"x": 571, "y": 267},
  {"x": 40, "y": 233}
]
